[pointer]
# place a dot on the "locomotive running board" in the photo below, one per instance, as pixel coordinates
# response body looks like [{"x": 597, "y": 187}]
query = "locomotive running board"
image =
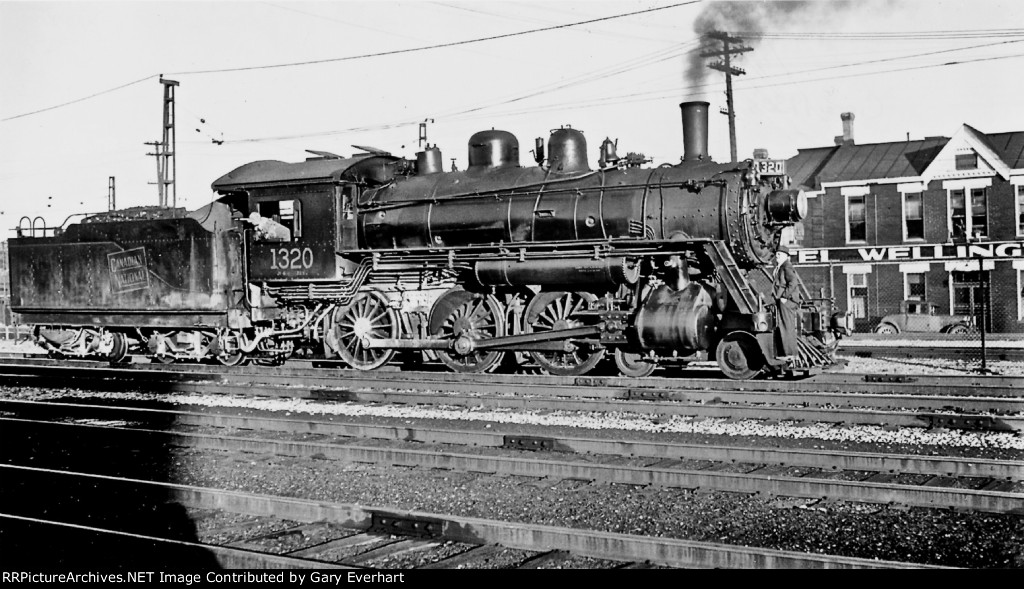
[{"x": 547, "y": 341}]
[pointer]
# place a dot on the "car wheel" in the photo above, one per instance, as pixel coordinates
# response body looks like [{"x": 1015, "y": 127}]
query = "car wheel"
[
  {"x": 958, "y": 330},
  {"x": 886, "y": 329}
]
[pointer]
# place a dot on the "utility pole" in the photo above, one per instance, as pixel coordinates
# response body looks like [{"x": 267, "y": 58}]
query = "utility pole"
[
  {"x": 111, "y": 195},
  {"x": 164, "y": 151},
  {"x": 730, "y": 46}
]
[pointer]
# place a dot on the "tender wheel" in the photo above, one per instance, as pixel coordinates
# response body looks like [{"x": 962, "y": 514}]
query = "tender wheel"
[
  {"x": 472, "y": 317},
  {"x": 368, "y": 315},
  {"x": 887, "y": 329},
  {"x": 235, "y": 359},
  {"x": 230, "y": 354},
  {"x": 630, "y": 364},
  {"x": 158, "y": 345},
  {"x": 739, "y": 359},
  {"x": 559, "y": 310},
  {"x": 118, "y": 347}
]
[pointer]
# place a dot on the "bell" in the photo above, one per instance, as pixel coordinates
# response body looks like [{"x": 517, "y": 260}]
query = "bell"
[{"x": 608, "y": 155}]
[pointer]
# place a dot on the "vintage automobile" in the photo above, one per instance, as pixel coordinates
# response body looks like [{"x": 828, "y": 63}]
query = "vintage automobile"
[{"x": 921, "y": 317}]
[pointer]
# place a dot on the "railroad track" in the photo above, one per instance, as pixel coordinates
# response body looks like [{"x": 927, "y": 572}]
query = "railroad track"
[
  {"x": 896, "y": 480},
  {"x": 704, "y": 378},
  {"x": 415, "y": 531},
  {"x": 920, "y": 481},
  {"x": 513, "y": 438},
  {"x": 995, "y": 406}
]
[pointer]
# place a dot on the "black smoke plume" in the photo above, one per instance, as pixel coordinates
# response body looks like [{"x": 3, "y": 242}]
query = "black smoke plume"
[{"x": 749, "y": 20}]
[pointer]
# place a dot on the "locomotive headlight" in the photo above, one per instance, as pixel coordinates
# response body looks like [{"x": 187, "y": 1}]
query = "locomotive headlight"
[{"x": 786, "y": 206}]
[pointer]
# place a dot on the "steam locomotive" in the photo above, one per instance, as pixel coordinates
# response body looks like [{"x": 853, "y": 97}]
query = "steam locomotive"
[{"x": 374, "y": 259}]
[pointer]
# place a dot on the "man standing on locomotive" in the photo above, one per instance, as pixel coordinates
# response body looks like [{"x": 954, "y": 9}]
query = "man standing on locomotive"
[{"x": 786, "y": 290}]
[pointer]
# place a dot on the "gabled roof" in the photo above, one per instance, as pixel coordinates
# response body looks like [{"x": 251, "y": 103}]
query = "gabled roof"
[
  {"x": 1009, "y": 146},
  {"x": 967, "y": 136},
  {"x": 881, "y": 160},
  {"x": 805, "y": 167},
  {"x": 847, "y": 163},
  {"x": 904, "y": 160}
]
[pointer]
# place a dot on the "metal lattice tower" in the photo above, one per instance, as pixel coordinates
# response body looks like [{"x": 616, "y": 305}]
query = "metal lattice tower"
[{"x": 164, "y": 151}]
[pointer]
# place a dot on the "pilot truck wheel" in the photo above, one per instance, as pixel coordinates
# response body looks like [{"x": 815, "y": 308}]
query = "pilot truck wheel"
[{"x": 739, "y": 358}]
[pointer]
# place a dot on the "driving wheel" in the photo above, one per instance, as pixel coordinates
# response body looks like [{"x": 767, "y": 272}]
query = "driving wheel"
[
  {"x": 470, "y": 317},
  {"x": 367, "y": 316},
  {"x": 551, "y": 311}
]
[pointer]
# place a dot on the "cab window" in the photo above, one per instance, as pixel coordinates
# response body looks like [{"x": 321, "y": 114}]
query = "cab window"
[{"x": 279, "y": 220}]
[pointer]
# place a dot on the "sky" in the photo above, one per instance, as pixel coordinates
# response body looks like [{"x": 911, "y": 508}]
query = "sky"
[{"x": 80, "y": 92}]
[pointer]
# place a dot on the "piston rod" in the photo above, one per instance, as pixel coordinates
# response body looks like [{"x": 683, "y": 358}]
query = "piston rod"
[{"x": 523, "y": 342}]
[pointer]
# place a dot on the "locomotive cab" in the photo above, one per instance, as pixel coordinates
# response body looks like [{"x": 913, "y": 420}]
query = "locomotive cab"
[
  {"x": 301, "y": 215},
  {"x": 292, "y": 236}
]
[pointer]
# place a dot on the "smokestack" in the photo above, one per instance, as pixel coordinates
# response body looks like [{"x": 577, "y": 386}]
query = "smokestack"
[
  {"x": 695, "y": 130},
  {"x": 847, "y": 137}
]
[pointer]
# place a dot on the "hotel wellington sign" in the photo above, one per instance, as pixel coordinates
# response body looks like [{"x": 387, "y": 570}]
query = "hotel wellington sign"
[{"x": 910, "y": 253}]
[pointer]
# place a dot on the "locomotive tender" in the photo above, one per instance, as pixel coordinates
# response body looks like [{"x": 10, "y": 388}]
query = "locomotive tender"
[{"x": 375, "y": 258}]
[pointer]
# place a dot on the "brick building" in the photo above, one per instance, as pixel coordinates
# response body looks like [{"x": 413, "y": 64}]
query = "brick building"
[{"x": 916, "y": 221}]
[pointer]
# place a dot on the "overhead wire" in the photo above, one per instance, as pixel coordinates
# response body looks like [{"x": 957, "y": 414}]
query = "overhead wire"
[
  {"x": 904, "y": 35},
  {"x": 521, "y": 18},
  {"x": 470, "y": 113},
  {"x": 881, "y": 36},
  {"x": 741, "y": 84},
  {"x": 363, "y": 56},
  {"x": 77, "y": 100},
  {"x": 602, "y": 73},
  {"x": 674, "y": 92},
  {"x": 438, "y": 45}
]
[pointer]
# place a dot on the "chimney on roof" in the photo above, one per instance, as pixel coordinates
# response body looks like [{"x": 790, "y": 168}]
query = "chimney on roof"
[{"x": 847, "y": 137}]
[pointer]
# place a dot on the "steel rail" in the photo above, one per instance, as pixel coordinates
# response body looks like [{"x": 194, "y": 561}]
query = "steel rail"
[
  {"x": 225, "y": 556},
  {"x": 713, "y": 407},
  {"x": 752, "y": 482},
  {"x": 866, "y": 400},
  {"x": 335, "y": 372},
  {"x": 594, "y": 389},
  {"x": 523, "y": 536},
  {"x": 1007, "y": 470},
  {"x": 933, "y": 352},
  {"x": 1014, "y": 423}
]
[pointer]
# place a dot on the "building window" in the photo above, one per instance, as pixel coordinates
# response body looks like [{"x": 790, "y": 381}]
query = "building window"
[
  {"x": 913, "y": 216},
  {"x": 967, "y": 161},
  {"x": 858, "y": 295},
  {"x": 979, "y": 212},
  {"x": 962, "y": 224},
  {"x": 958, "y": 214},
  {"x": 856, "y": 219},
  {"x": 914, "y": 286},
  {"x": 1020, "y": 210}
]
